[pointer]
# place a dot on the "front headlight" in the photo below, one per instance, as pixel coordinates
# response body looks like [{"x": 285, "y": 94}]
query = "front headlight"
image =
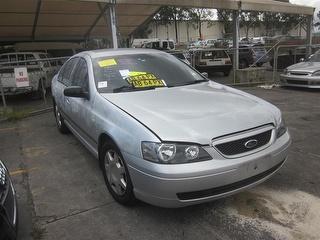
[
  {"x": 317, "y": 73},
  {"x": 281, "y": 128},
  {"x": 173, "y": 153},
  {"x": 285, "y": 71}
]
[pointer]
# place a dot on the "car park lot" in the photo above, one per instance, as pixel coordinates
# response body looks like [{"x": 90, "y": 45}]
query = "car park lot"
[{"x": 62, "y": 195}]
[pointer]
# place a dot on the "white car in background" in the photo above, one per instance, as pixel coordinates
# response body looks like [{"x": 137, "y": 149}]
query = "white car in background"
[{"x": 303, "y": 74}]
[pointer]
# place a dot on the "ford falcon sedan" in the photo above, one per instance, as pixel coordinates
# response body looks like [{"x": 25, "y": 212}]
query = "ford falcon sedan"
[
  {"x": 164, "y": 133},
  {"x": 304, "y": 74}
]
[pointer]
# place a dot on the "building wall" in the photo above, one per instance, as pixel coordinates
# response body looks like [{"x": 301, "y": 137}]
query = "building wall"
[{"x": 188, "y": 32}]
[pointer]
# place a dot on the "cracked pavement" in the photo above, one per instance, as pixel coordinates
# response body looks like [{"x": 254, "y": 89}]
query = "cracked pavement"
[{"x": 62, "y": 195}]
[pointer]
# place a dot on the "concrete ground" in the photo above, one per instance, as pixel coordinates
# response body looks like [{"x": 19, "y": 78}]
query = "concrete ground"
[{"x": 61, "y": 192}]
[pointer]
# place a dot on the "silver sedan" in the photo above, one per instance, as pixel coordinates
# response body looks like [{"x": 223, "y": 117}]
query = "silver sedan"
[
  {"x": 304, "y": 74},
  {"x": 162, "y": 132}
]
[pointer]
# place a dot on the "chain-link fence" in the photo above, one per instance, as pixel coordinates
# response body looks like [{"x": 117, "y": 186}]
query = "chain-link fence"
[{"x": 258, "y": 64}]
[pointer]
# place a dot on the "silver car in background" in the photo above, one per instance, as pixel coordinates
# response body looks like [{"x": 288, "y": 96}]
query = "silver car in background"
[
  {"x": 162, "y": 132},
  {"x": 304, "y": 74}
]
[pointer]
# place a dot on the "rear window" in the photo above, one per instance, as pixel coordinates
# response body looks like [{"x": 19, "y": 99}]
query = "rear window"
[{"x": 214, "y": 54}]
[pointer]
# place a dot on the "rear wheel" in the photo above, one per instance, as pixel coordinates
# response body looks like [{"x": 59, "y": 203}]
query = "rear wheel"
[
  {"x": 259, "y": 64},
  {"x": 116, "y": 175},
  {"x": 59, "y": 120}
]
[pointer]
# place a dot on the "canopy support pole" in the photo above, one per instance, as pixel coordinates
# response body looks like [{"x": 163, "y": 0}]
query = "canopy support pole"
[
  {"x": 309, "y": 35},
  {"x": 235, "y": 20},
  {"x": 113, "y": 25}
]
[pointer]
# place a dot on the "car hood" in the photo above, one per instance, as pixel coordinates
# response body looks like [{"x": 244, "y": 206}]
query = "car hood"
[
  {"x": 305, "y": 67},
  {"x": 195, "y": 113}
]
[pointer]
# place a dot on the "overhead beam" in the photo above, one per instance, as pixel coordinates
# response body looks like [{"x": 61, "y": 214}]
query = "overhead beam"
[
  {"x": 35, "y": 22},
  {"x": 102, "y": 12}
]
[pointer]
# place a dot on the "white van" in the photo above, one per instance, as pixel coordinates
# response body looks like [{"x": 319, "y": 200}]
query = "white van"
[{"x": 39, "y": 72}]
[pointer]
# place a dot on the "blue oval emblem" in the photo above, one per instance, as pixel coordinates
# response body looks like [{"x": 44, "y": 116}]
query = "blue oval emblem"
[{"x": 251, "y": 143}]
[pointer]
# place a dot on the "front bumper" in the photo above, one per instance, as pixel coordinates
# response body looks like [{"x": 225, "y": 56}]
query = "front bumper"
[
  {"x": 187, "y": 184},
  {"x": 300, "y": 81}
]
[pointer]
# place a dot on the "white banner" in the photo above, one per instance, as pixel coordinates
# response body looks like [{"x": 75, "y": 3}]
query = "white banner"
[{"x": 21, "y": 76}]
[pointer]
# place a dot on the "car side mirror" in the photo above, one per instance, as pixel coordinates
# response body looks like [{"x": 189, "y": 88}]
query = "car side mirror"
[
  {"x": 301, "y": 60},
  {"x": 76, "y": 91},
  {"x": 205, "y": 74}
]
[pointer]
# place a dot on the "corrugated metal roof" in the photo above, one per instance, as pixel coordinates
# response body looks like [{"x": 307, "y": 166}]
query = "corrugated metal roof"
[{"x": 78, "y": 19}]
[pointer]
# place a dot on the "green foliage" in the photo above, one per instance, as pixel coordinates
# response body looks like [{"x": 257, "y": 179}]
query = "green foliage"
[
  {"x": 317, "y": 24},
  {"x": 225, "y": 16}
]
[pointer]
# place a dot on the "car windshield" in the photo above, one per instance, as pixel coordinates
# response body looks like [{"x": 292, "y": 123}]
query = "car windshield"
[
  {"x": 135, "y": 72},
  {"x": 314, "y": 58}
]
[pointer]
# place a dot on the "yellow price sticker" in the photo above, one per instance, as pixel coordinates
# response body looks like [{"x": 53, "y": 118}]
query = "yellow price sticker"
[
  {"x": 148, "y": 83},
  {"x": 107, "y": 62}
]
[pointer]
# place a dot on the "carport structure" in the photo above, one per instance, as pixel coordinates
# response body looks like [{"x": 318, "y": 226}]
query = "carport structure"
[{"x": 61, "y": 20}]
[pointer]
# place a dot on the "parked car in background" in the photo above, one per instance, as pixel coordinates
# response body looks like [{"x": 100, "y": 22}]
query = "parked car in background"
[
  {"x": 209, "y": 43},
  {"x": 180, "y": 55},
  {"x": 160, "y": 45},
  {"x": 8, "y": 206},
  {"x": 164, "y": 133},
  {"x": 304, "y": 74},
  {"x": 39, "y": 70},
  {"x": 212, "y": 60},
  {"x": 250, "y": 54}
]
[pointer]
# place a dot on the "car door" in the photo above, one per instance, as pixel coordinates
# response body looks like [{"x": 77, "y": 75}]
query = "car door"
[
  {"x": 63, "y": 81},
  {"x": 80, "y": 109}
]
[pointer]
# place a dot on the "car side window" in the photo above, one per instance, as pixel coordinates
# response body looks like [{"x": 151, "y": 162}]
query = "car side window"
[
  {"x": 80, "y": 76},
  {"x": 65, "y": 73}
]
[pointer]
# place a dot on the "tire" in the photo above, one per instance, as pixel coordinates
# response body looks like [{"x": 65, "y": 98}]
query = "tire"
[
  {"x": 116, "y": 174},
  {"x": 226, "y": 74},
  {"x": 259, "y": 64},
  {"x": 62, "y": 127}
]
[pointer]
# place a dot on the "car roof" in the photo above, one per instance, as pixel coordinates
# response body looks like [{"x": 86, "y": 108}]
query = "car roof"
[{"x": 119, "y": 51}]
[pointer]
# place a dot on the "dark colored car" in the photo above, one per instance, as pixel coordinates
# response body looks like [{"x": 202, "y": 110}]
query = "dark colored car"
[
  {"x": 250, "y": 54},
  {"x": 8, "y": 206}
]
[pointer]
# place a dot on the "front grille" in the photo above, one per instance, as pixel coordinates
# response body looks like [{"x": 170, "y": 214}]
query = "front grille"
[
  {"x": 238, "y": 146},
  {"x": 227, "y": 188},
  {"x": 299, "y": 73},
  {"x": 298, "y": 82}
]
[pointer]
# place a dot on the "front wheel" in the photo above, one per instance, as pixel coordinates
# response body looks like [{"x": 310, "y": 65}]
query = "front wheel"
[
  {"x": 116, "y": 175},
  {"x": 62, "y": 127}
]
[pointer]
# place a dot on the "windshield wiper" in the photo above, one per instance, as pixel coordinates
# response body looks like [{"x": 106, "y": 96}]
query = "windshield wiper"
[
  {"x": 190, "y": 83},
  {"x": 131, "y": 89}
]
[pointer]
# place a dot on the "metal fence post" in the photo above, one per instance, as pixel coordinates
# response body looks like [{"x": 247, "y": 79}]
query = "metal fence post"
[
  {"x": 43, "y": 88},
  {"x": 3, "y": 96}
]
